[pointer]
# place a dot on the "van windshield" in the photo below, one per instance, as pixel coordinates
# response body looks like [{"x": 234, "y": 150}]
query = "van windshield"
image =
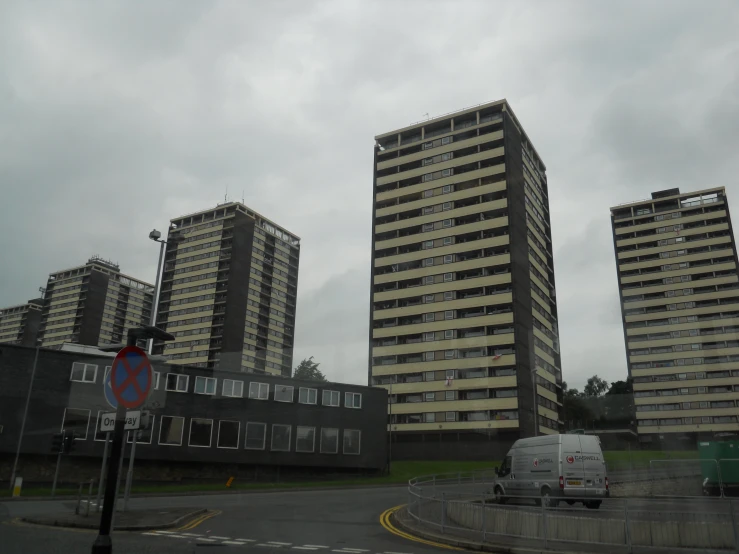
[{"x": 505, "y": 469}]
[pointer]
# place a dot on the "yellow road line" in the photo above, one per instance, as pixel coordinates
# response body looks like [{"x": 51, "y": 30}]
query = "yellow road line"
[
  {"x": 198, "y": 520},
  {"x": 385, "y": 522}
]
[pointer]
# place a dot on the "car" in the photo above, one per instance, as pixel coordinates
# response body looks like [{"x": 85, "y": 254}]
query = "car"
[{"x": 552, "y": 468}]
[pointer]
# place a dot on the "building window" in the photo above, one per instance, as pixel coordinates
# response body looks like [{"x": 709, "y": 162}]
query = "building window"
[
  {"x": 256, "y": 436},
  {"x": 233, "y": 389},
  {"x": 446, "y": 206},
  {"x": 76, "y": 421},
  {"x": 428, "y": 244},
  {"x": 201, "y": 431},
  {"x": 155, "y": 384},
  {"x": 429, "y": 417},
  {"x": 449, "y": 395},
  {"x": 428, "y": 298},
  {"x": 449, "y": 314},
  {"x": 280, "y": 438},
  {"x": 283, "y": 393},
  {"x": 449, "y": 259},
  {"x": 329, "y": 441},
  {"x": 351, "y": 441},
  {"x": 352, "y": 400},
  {"x": 177, "y": 382},
  {"x": 429, "y": 397},
  {"x": 451, "y": 416},
  {"x": 83, "y": 373},
  {"x": 446, "y": 172},
  {"x": 449, "y": 295},
  {"x": 429, "y": 376},
  {"x": 331, "y": 398},
  {"x": 448, "y": 277},
  {"x": 428, "y": 317},
  {"x": 307, "y": 396},
  {"x": 428, "y": 280},
  {"x": 447, "y": 223},
  {"x": 428, "y": 337},
  {"x": 428, "y": 193},
  {"x": 448, "y": 241},
  {"x": 429, "y": 356},
  {"x": 449, "y": 334},
  {"x": 170, "y": 430},
  {"x": 228, "y": 434},
  {"x": 205, "y": 385},
  {"x": 428, "y": 262},
  {"x": 143, "y": 436},
  {"x": 259, "y": 391},
  {"x": 450, "y": 354},
  {"x": 305, "y": 439},
  {"x": 427, "y": 177}
]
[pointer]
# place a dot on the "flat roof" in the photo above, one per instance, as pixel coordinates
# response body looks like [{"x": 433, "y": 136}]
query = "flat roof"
[{"x": 681, "y": 195}]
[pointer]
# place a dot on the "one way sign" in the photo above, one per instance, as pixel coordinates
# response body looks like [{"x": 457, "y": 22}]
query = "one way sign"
[{"x": 133, "y": 421}]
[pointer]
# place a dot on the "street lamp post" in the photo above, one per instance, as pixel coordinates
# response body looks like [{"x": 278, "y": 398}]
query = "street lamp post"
[
  {"x": 536, "y": 410},
  {"x": 156, "y": 236}
]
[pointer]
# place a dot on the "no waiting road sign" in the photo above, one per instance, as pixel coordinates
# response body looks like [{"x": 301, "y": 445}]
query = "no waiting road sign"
[{"x": 130, "y": 377}]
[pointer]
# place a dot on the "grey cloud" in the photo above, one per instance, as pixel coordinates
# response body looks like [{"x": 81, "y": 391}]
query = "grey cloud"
[{"x": 115, "y": 118}]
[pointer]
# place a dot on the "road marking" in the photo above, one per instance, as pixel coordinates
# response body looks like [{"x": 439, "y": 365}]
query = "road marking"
[
  {"x": 304, "y": 548},
  {"x": 165, "y": 532},
  {"x": 316, "y": 545},
  {"x": 220, "y": 538},
  {"x": 233, "y": 542},
  {"x": 192, "y": 534},
  {"x": 267, "y": 545},
  {"x": 385, "y": 522},
  {"x": 198, "y": 520},
  {"x": 202, "y": 539},
  {"x": 356, "y": 549},
  {"x": 178, "y": 536},
  {"x": 245, "y": 540},
  {"x": 279, "y": 543},
  {"x": 155, "y": 534}
]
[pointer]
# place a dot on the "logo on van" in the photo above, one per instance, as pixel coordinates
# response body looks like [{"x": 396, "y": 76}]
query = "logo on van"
[
  {"x": 570, "y": 459},
  {"x": 536, "y": 462}
]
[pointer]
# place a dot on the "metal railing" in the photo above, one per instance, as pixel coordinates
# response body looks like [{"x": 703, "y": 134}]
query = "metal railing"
[{"x": 465, "y": 506}]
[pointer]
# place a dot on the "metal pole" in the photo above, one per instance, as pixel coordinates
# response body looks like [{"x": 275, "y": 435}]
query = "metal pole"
[
  {"x": 484, "y": 509},
  {"x": 23, "y": 421},
  {"x": 79, "y": 499},
  {"x": 544, "y": 521},
  {"x": 129, "y": 476},
  {"x": 733, "y": 525},
  {"x": 56, "y": 472},
  {"x": 536, "y": 410},
  {"x": 89, "y": 498},
  {"x": 627, "y": 531},
  {"x": 150, "y": 344},
  {"x": 443, "y": 511},
  {"x": 102, "y": 472},
  {"x": 390, "y": 432},
  {"x": 103, "y": 543},
  {"x": 118, "y": 481}
]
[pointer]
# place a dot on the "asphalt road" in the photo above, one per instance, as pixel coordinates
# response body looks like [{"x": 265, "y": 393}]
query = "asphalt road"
[{"x": 331, "y": 521}]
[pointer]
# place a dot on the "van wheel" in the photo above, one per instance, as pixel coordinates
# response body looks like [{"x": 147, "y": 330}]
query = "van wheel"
[
  {"x": 547, "y": 499},
  {"x": 593, "y": 504},
  {"x": 499, "y": 498},
  {"x": 570, "y": 502}
]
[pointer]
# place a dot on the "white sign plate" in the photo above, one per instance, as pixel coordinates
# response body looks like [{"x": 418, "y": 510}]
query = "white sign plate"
[{"x": 133, "y": 421}]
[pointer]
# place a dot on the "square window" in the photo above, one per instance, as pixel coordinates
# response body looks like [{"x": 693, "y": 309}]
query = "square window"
[
  {"x": 428, "y": 262},
  {"x": 307, "y": 396},
  {"x": 449, "y": 258},
  {"x": 446, "y": 156},
  {"x": 201, "y": 432},
  {"x": 446, "y": 206},
  {"x": 428, "y": 298},
  {"x": 427, "y": 177},
  {"x": 449, "y": 314},
  {"x": 446, "y": 172},
  {"x": 205, "y": 385},
  {"x": 448, "y": 277},
  {"x": 448, "y": 241},
  {"x": 232, "y": 388},
  {"x": 353, "y": 400},
  {"x": 177, "y": 382},
  {"x": 427, "y": 145},
  {"x": 280, "y": 438},
  {"x": 429, "y": 396},
  {"x": 447, "y": 223},
  {"x": 428, "y": 280},
  {"x": 706, "y": 419},
  {"x": 329, "y": 441},
  {"x": 428, "y": 244},
  {"x": 428, "y": 210},
  {"x": 305, "y": 439},
  {"x": 428, "y": 227},
  {"x": 76, "y": 421},
  {"x": 331, "y": 398},
  {"x": 449, "y": 334},
  {"x": 449, "y": 295},
  {"x": 228, "y": 434},
  {"x": 83, "y": 373},
  {"x": 428, "y": 337},
  {"x": 259, "y": 391},
  {"x": 451, "y": 416},
  {"x": 143, "y": 435},
  {"x": 450, "y": 354},
  {"x": 450, "y": 374},
  {"x": 428, "y": 356},
  {"x": 256, "y": 436},
  {"x": 428, "y": 317},
  {"x": 429, "y": 417},
  {"x": 283, "y": 393},
  {"x": 446, "y": 140},
  {"x": 428, "y": 193},
  {"x": 704, "y": 405},
  {"x": 351, "y": 441},
  {"x": 170, "y": 430},
  {"x": 430, "y": 376},
  {"x": 449, "y": 395}
]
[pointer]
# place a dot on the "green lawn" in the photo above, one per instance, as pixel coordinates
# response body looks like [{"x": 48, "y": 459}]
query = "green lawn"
[{"x": 401, "y": 472}]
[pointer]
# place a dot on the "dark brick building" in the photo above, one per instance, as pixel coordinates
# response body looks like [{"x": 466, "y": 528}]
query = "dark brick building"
[{"x": 205, "y": 423}]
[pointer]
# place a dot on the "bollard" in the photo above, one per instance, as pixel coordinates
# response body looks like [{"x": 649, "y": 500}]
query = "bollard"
[
  {"x": 79, "y": 499},
  {"x": 89, "y": 498},
  {"x": 443, "y": 512},
  {"x": 627, "y": 531}
]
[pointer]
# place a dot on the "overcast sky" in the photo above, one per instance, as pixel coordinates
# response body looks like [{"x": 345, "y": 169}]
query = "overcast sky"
[{"x": 117, "y": 116}]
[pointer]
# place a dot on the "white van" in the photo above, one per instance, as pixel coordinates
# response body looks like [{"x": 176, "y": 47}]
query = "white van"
[{"x": 554, "y": 467}]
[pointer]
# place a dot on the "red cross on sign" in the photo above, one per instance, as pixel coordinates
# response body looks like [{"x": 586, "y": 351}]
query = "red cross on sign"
[{"x": 130, "y": 377}]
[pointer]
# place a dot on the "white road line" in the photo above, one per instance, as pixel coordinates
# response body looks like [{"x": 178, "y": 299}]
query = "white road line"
[
  {"x": 267, "y": 545},
  {"x": 279, "y": 543},
  {"x": 192, "y": 534},
  {"x": 245, "y": 540},
  {"x": 304, "y": 548},
  {"x": 357, "y": 549},
  {"x": 165, "y": 532},
  {"x": 233, "y": 542},
  {"x": 388, "y": 552},
  {"x": 316, "y": 546},
  {"x": 206, "y": 540},
  {"x": 154, "y": 534},
  {"x": 178, "y": 536},
  {"x": 220, "y": 538}
]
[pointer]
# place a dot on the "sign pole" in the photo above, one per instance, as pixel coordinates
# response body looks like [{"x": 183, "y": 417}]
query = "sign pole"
[
  {"x": 118, "y": 481},
  {"x": 129, "y": 476},
  {"x": 56, "y": 474},
  {"x": 23, "y": 421},
  {"x": 102, "y": 472}
]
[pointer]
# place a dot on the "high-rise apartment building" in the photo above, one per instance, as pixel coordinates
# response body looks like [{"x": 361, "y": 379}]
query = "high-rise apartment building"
[
  {"x": 228, "y": 291},
  {"x": 19, "y": 324},
  {"x": 677, "y": 264},
  {"x": 93, "y": 304},
  {"x": 463, "y": 329}
]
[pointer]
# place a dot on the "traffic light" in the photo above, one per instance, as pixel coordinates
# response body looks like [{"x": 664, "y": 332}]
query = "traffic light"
[
  {"x": 69, "y": 443},
  {"x": 57, "y": 443}
]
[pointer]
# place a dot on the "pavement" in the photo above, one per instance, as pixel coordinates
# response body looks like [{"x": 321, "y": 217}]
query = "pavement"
[{"x": 137, "y": 520}]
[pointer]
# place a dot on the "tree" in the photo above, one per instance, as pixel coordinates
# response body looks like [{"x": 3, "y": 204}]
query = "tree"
[
  {"x": 307, "y": 370},
  {"x": 595, "y": 387},
  {"x": 618, "y": 404}
]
